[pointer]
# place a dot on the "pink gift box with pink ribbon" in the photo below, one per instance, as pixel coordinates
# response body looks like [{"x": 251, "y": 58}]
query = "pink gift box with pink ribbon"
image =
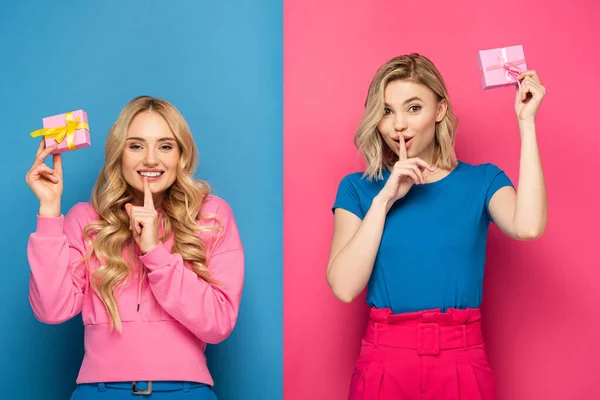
[
  {"x": 70, "y": 130},
  {"x": 500, "y": 67}
]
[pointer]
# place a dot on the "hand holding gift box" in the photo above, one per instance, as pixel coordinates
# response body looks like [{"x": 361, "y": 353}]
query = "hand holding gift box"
[
  {"x": 502, "y": 66},
  {"x": 69, "y": 130}
]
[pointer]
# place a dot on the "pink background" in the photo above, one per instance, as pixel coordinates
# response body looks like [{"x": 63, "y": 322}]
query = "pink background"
[{"x": 541, "y": 298}]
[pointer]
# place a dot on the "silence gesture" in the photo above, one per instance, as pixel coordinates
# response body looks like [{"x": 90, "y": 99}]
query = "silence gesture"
[{"x": 144, "y": 221}]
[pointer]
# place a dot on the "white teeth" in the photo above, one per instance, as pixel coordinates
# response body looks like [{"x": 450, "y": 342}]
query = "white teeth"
[{"x": 150, "y": 174}]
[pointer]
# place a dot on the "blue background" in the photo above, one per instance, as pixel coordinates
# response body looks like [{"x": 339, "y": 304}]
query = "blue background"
[{"x": 220, "y": 64}]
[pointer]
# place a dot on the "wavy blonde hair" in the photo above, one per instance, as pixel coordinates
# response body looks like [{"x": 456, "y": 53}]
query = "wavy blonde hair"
[
  {"x": 181, "y": 206},
  {"x": 368, "y": 140}
]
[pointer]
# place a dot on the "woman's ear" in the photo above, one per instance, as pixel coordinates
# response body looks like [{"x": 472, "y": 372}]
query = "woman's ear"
[{"x": 441, "y": 111}]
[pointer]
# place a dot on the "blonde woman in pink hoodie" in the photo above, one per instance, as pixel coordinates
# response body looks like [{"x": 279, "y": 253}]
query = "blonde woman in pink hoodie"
[{"x": 154, "y": 262}]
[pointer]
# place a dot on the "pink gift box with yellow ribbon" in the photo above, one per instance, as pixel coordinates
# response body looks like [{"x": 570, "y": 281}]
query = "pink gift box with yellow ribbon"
[
  {"x": 70, "y": 130},
  {"x": 500, "y": 67}
]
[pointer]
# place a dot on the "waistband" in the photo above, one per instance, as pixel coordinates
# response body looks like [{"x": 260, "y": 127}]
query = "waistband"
[
  {"x": 147, "y": 387},
  {"x": 177, "y": 355},
  {"x": 428, "y": 332}
]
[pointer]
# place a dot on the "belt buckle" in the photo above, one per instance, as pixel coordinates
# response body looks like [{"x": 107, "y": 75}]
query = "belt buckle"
[
  {"x": 431, "y": 330},
  {"x": 134, "y": 390}
]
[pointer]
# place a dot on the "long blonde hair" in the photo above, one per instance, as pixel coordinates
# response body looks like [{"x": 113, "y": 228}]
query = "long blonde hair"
[
  {"x": 367, "y": 139},
  {"x": 181, "y": 205}
]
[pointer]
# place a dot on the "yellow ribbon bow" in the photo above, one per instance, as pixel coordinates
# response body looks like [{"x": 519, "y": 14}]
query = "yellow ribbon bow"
[{"x": 59, "y": 134}]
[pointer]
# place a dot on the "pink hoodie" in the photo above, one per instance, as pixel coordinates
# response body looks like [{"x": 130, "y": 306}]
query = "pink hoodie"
[{"x": 167, "y": 317}]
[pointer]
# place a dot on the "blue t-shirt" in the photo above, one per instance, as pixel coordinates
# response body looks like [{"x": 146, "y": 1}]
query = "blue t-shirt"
[{"x": 432, "y": 251}]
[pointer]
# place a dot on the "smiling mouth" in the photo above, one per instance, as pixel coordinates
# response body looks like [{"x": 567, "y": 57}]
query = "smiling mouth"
[{"x": 151, "y": 174}]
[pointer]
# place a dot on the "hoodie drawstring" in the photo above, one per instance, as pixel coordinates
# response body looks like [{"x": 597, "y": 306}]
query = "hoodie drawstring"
[
  {"x": 139, "y": 297},
  {"x": 141, "y": 277}
]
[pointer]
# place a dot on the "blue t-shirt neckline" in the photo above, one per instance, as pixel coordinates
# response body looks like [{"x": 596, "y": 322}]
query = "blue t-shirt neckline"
[{"x": 445, "y": 179}]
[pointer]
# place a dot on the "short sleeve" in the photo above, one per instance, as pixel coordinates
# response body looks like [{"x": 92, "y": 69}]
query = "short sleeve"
[
  {"x": 347, "y": 198},
  {"x": 495, "y": 179}
]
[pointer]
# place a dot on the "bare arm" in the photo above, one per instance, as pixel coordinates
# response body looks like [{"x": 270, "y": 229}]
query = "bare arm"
[
  {"x": 523, "y": 214},
  {"x": 353, "y": 250}
]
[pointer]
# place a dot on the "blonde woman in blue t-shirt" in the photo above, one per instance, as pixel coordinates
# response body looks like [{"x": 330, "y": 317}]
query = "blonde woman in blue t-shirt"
[{"x": 413, "y": 227}]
